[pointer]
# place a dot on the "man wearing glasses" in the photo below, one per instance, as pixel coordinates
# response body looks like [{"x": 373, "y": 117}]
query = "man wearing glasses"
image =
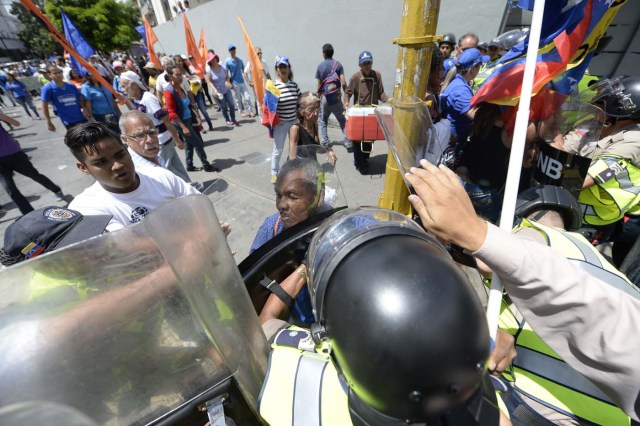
[
  {"x": 141, "y": 136},
  {"x": 120, "y": 190}
]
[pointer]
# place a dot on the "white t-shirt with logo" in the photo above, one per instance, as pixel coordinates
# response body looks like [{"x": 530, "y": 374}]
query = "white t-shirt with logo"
[{"x": 157, "y": 186}]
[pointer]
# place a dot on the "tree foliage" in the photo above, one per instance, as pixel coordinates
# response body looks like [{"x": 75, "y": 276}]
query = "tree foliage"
[
  {"x": 34, "y": 36},
  {"x": 106, "y": 24}
]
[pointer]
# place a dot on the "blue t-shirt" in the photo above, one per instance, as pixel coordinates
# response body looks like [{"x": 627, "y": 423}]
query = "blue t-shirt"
[
  {"x": 18, "y": 89},
  {"x": 66, "y": 100},
  {"x": 302, "y": 309},
  {"x": 456, "y": 101},
  {"x": 100, "y": 103},
  {"x": 325, "y": 68},
  {"x": 186, "y": 111},
  {"x": 235, "y": 69}
]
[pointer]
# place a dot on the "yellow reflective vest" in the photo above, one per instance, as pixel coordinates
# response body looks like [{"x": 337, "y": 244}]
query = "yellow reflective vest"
[
  {"x": 302, "y": 386},
  {"x": 537, "y": 371},
  {"x": 616, "y": 192}
]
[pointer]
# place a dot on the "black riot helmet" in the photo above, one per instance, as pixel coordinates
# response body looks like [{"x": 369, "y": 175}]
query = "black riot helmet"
[
  {"x": 406, "y": 330},
  {"x": 550, "y": 197},
  {"x": 449, "y": 39},
  {"x": 619, "y": 98}
]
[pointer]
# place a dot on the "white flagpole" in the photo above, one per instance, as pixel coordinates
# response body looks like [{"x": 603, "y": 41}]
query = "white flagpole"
[{"x": 515, "y": 159}]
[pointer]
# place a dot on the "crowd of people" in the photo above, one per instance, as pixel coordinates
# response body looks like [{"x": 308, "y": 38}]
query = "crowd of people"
[{"x": 547, "y": 377}]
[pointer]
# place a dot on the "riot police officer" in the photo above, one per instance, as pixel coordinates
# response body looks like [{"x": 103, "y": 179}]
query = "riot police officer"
[
  {"x": 400, "y": 336},
  {"x": 612, "y": 187}
]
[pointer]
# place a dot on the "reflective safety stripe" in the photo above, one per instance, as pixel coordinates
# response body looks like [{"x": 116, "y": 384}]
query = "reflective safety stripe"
[
  {"x": 612, "y": 279},
  {"x": 587, "y": 252},
  {"x": 538, "y": 372},
  {"x": 557, "y": 371},
  {"x": 306, "y": 392},
  {"x": 302, "y": 387},
  {"x": 608, "y": 202}
]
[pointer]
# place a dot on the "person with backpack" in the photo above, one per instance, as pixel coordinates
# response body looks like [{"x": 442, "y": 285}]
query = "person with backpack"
[{"x": 331, "y": 81}]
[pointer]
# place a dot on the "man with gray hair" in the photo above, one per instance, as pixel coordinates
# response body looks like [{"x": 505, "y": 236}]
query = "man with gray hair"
[
  {"x": 161, "y": 83},
  {"x": 166, "y": 134}
]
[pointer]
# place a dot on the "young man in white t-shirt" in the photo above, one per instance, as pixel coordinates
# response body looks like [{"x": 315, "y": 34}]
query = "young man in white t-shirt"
[{"x": 119, "y": 190}]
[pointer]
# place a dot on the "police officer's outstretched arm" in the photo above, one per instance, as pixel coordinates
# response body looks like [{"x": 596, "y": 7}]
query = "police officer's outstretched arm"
[{"x": 595, "y": 328}]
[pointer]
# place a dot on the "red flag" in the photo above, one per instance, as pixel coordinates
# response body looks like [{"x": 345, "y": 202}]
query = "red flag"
[
  {"x": 66, "y": 45},
  {"x": 151, "y": 40},
  {"x": 192, "y": 48},
  {"x": 257, "y": 70}
]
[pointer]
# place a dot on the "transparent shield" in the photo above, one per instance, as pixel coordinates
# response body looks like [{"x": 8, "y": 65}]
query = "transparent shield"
[
  {"x": 601, "y": 89},
  {"x": 312, "y": 186},
  {"x": 580, "y": 122},
  {"x": 407, "y": 127},
  {"x": 131, "y": 325}
]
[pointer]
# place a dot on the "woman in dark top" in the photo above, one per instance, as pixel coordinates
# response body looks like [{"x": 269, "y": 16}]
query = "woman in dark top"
[
  {"x": 485, "y": 161},
  {"x": 305, "y": 131}
]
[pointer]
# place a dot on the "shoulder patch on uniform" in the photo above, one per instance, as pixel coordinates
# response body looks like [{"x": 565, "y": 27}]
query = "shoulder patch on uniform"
[{"x": 298, "y": 339}]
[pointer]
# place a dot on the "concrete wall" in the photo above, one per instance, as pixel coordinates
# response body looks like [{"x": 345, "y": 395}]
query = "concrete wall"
[{"x": 299, "y": 28}]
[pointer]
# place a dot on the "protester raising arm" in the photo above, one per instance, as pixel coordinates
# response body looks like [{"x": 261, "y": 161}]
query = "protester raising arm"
[{"x": 563, "y": 303}]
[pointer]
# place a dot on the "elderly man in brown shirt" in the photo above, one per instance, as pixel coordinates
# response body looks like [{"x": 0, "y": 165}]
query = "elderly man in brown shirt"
[{"x": 366, "y": 88}]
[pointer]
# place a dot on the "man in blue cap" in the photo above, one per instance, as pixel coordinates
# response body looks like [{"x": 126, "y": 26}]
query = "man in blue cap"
[
  {"x": 235, "y": 66},
  {"x": 456, "y": 102},
  {"x": 366, "y": 88}
]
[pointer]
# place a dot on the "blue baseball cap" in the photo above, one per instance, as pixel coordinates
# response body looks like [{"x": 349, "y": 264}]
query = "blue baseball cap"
[
  {"x": 365, "y": 56},
  {"x": 281, "y": 59},
  {"x": 448, "y": 64},
  {"x": 231, "y": 46},
  {"x": 470, "y": 58}
]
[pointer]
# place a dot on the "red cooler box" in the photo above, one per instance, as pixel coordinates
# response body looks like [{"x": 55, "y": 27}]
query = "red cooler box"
[{"x": 362, "y": 125}]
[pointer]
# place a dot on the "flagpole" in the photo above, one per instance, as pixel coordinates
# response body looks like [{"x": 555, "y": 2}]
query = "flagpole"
[{"x": 515, "y": 159}]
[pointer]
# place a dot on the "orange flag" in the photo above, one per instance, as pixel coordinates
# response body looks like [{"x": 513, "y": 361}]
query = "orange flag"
[
  {"x": 151, "y": 40},
  {"x": 192, "y": 48},
  {"x": 66, "y": 45},
  {"x": 202, "y": 48},
  {"x": 257, "y": 70}
]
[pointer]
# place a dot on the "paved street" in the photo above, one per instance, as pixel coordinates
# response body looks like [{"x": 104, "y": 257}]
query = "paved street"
[{"x": 242, "y": 193}]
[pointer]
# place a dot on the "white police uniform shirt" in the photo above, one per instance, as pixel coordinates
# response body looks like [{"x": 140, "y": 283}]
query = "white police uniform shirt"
[{"x": 157, "y": 186}]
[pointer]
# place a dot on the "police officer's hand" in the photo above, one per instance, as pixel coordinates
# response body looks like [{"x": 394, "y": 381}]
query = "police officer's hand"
[
  {"x": 503, "y": 353},
  {"x": 445, "y": 207}
]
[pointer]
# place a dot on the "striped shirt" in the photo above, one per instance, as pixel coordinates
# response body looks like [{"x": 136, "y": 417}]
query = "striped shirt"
[{"x": 288, "y": 100}]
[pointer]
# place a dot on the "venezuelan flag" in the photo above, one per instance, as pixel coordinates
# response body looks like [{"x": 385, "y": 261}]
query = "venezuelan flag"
[
  {"x": 270, "y": 116},
  {"x": 563, "y": 58}
]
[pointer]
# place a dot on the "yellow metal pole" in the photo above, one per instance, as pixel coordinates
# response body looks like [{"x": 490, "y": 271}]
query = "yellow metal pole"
[{"x": 415, "y": 46}]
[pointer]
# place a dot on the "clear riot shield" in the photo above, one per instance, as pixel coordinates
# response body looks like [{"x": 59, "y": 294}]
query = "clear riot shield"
[
  {"x": 138, "y": 326},
  {"x": 408, "y": 120},
  {"x": 312, "y": 187},
  {"x": 271, "y": 228},
  {"x": 565, "y": 147}
]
